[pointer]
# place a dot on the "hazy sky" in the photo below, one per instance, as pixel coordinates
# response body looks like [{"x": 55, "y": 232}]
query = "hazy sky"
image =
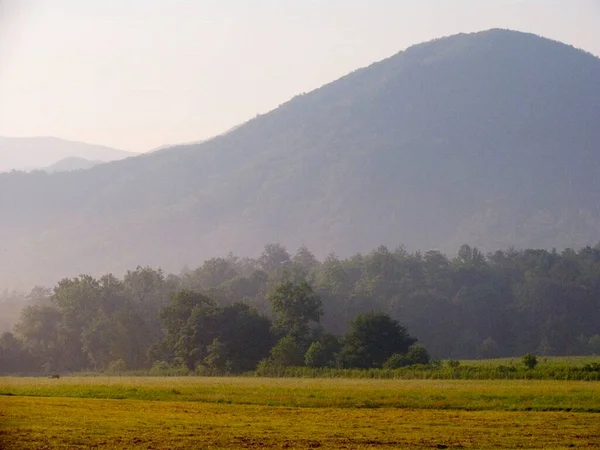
[{"x": 137, "y": 74}]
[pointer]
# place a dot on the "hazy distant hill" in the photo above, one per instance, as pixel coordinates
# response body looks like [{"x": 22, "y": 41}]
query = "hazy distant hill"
[
  {"x": 71, "y": 163},
  {"x": 490, "y": 138},
  {"x": 40, "y": 152}
]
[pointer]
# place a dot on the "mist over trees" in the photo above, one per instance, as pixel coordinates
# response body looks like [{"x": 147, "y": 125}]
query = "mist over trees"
[{"x": 387, "y": 308}]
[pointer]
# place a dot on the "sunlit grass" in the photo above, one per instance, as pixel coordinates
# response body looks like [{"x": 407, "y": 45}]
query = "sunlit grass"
[
  {"x": 70, "y": 423},
  {"x": 513, "y": 395},
  {"x": 195, "y": 412}
]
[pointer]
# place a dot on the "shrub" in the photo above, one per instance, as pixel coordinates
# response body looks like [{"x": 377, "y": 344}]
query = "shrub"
[
  {"x": 162, "y": 368},
  {"x": 201, "y": 370},
  {"x": 216, "y": 359},
  {"x": 453, "y": 363},
  {"x": 315, "y": 355},
  {"x": 396, "y": 361},
  {"x": 287, "y": 352},
  {"x": 159, "y": 367},
  {"x": 529, "y": 361},
  {"x": 591, "y": 367},
  {"x": 417, "y": 354}
]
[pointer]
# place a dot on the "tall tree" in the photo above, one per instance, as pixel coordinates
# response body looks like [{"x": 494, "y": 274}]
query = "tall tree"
[
  {"x": 372, "y": 339},
  {"x": 40, "y": 330},
  {"x": 295, "y": 308},
  {"x": 273, "y": 257}
]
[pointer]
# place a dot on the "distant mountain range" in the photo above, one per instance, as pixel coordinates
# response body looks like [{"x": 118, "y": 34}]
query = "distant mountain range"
[
  {"x": 71, "y": 163},
  {"x": 41, "y": 152},
  {"x": 491, "y": 139}
]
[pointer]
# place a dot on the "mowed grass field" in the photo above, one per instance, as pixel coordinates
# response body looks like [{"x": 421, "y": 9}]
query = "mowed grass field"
[{"x": 192, "y": 412}]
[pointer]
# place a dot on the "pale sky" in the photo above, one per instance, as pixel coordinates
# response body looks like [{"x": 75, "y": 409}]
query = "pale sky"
[{"x": 138, "y": 74}]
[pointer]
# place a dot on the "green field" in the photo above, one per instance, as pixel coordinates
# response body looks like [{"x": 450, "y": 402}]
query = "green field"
[
  {"x": 191, "y": 412},
  {"x": 575, "y": 368},
  {"x": 544, "y": 361}
]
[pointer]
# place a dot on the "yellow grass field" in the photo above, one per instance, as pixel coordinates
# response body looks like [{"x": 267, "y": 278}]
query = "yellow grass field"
[{"x": 196, "y": 413}]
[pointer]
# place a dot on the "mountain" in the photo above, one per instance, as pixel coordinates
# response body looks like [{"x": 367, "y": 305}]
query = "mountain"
[
  {"x": 201, "y": 141},
  {"x": 490, "y": 139},
  {"x": 71, "y": 163},
  {"x": 39, "y": 152}
]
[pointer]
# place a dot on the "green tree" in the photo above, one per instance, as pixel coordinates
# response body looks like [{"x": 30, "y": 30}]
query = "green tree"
[
  {"x": 40, "y": 331},
  {"x": 178, "y": 312},
  {"x": 529, "y": 361},
  {"x": 149, "y": 290},
  {"x": 372, "y": 339},
  {"x": 470, "y": 257},
  {"x": 216, "y": 357},
  {"x": 14, "y": 357},
  {"x": 315, "y": 355},
  {"x": 295, "y": 308},
  {"x": 287, "y": 352},
  {"x": 273, "y": 257},
  {"x": 246, "y": 334},
  {"x": 121, "y": 336},
  {"x": 305, "y": 258},
  {"x": 418, "y": 354},
  {"x": 323, "y": 352},
  {"x": 210, "y": 275},
  {"x": 396, "y": 361},
  {"x": 190, "y": 325},
  {"x": 193, "y": 323}
]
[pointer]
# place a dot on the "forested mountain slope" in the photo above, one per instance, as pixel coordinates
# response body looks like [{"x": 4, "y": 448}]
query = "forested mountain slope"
[{"x": 489, "y": 138}]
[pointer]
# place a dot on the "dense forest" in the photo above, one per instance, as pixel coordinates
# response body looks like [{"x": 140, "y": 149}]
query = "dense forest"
[{"x": 383, "y": 309}]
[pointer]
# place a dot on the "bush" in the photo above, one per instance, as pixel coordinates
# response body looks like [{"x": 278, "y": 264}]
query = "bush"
[
  {"x": 216, "y": 359},
  {"x": 267, "y": 368},
  {"x": 417, "y": 354},
  {"x": 396, "y": 361},
  {"x": 159, "y": 367},
  {"x": 287, "y": 352},
  {"x": 201, "y": 370},
  {"x": 372, "y": 339},
  {"x": 324, "y": 352},
  {"x": 315, "y": 355},
  {"x": 529, "y": 361},
  {"x": 163, "y": 369},
  {"x": 435, "y": 363},
  {"x": 591, "y": 367}
]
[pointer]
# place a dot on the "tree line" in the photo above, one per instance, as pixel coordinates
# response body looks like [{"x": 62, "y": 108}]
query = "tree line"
[{"x": 233, "y": 314}]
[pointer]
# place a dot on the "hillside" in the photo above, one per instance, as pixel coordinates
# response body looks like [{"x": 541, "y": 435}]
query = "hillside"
[
  {"x": 71, "y": 163},
  {"x": 489, "y": 138},
  {"x": 40, "y": 152}
]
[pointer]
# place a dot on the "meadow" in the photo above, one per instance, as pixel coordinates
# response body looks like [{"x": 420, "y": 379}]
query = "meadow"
[
  {"x": 197, "y": 412},
  {"x": 582, "y": 368}
]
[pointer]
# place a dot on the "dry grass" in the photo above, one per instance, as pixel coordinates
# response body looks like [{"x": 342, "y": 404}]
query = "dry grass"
[{"x": 253, "y": 413}]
